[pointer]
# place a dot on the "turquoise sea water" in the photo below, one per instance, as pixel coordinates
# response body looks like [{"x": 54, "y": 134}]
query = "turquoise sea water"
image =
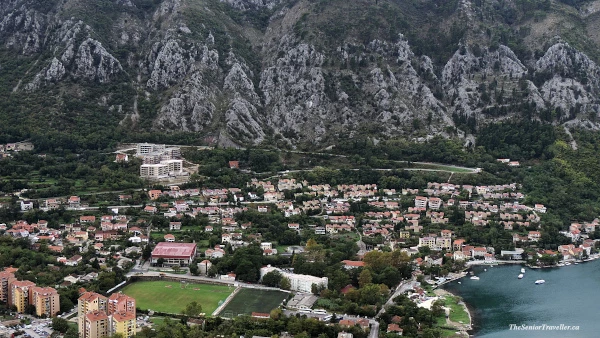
[{"x": 570, "y": 296}]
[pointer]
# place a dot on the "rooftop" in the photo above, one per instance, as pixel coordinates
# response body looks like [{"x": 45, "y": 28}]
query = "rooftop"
[{"x": 172, "y": 249}]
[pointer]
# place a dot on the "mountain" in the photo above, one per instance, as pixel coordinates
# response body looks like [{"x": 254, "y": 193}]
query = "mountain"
[{"x": 301, "y": 72}]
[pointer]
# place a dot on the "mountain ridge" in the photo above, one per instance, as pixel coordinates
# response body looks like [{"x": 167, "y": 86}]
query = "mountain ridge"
[{"x": 297, "y": 72}]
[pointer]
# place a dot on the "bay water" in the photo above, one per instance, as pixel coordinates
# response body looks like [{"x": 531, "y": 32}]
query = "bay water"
[{"x": 501, "y": 304}]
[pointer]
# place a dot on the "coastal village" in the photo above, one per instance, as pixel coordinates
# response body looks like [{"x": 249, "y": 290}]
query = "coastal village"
[{"x": 424, "y": 223}]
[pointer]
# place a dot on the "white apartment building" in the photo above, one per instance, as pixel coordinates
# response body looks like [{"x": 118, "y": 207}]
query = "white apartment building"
[
  {"x": 148, "y": 148},
  {"x": 162, "y": 169},
  {"x": 436, "y": 243},
  {"x": 420, "y": 202},
  {"x": 301, "y": 283}
]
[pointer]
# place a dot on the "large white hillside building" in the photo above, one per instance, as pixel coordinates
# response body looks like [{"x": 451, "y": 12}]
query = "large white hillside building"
[{"x": 301, "y": 283}]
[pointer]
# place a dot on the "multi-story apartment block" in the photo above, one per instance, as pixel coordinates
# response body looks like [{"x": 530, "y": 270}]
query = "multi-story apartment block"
[
  {"x": 118, "y": 302},
  {"x": 45, "y": 300},
  {"x": 100, "y": 316},
  {"x": 89, "y": 302},
  {"x": 20, "y": 294},
  {"x": 5, "y": 279},
  {"x": 162, "y": 169},
  {"x": 123, "y": 323},
  {"x": 96, "y": 324}
]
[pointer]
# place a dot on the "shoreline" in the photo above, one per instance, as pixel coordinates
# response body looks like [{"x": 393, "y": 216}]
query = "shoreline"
[
  {"x": 464, "y": 273},
  {"x": 571, "y": 262},
  {"x": 462, "y": 303},
  {"x": 467, "y": 327}
]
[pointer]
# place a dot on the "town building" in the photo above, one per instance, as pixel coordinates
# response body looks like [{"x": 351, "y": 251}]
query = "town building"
[
  {"x": 99, "y": 316},
  {"x": 163, "y": 169},
  {"x": 94, "y": 324},
  {"x": 20, "y": 294},
  {"x": 181, "y": 254},
  {"x": 119, "y": 302},
  {"x": 301, "y": 283},
  {"x": 46, "y": 301},
  {"x": 6, "y": 278},
  {"x": 123, "y": 323}
]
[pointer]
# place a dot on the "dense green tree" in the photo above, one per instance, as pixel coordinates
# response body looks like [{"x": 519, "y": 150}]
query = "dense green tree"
[
  {"x": 272, "y": 279},
  {"x": 192, "y": 309},
  {"x": 60, "y": 324}
]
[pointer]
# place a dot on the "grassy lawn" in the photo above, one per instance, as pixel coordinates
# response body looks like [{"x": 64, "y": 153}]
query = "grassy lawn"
[
  {"x": 347, "y": 235},
  {"x": 202, "y": 244},
  {"x": 157, "y": 321},
  {"x": 281, "y": 248},
  {"x": 181, "y": 271},
  {"x": 252, "y": 300},
  {"x": 169, "y": 297},
  {"x": 443, "y": 167},
  {"x": 457, "y": 312},
  {"x": 449, "y": 333}
]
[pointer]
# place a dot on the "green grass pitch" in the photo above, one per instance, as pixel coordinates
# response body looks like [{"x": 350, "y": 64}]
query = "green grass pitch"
[
  {"x": 170, "y": 297},
  {"x": 247, "y": 301}
]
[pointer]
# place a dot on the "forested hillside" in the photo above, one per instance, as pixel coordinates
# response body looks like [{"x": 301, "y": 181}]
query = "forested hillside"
[{"x": 291, "y": 73}]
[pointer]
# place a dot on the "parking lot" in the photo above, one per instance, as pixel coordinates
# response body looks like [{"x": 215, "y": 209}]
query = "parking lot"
[{"x": 39, "y": 328}]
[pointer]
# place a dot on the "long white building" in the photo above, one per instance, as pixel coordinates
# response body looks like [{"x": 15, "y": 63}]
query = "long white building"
[
  {"x": 162, "y": 169},
  {"x": 301, "y": 283}
]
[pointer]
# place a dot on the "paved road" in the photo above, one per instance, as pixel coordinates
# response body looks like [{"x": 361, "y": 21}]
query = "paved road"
[
  {"x": 402, "y": 288},
  {"x": 374, "y": 329},
  {"x": 362, "y": 247}
]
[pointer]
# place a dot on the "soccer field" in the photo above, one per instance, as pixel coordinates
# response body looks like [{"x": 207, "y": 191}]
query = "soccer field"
[
  {"x": 170, "y": 297},
  {"x": 247, "y": 301}
]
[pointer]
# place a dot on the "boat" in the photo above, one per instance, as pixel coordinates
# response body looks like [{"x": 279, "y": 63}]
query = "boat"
[
  {"x": 567, "y": 263},
  {"x": 484, "y": 269},
  {"x": 540, "y": 281},
  {"x": 475, "y": 278},
  {"x": 471, "y": 272},
  {"x": 520, "y": 276},
  {"x": 576, "y": 263},
  {"x": 522, "y": 270}
]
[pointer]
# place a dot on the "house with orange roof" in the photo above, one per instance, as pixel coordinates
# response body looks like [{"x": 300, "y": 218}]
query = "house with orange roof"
[
  {"x": 151, "y": 209},
  {"x": 394, "y": 328},
  {"x": 348, "y": 264},
  {"x": 87, "y": 219},
  {"x": 74, "y": 202}
]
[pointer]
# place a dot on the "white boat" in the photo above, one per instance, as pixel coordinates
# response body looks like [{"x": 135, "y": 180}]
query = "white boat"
[
  {"x": 484, "y": 269},
  {"x": 459, "y": 283},
  {"x": 540, "y": 281},
  {"x": 520, "y": 276},
  {"x": 475, "y": 278},
  {"x": 567, "y": 263},
  {"x": 576, "y": 263},
  {"x": 522, "y": 270}
]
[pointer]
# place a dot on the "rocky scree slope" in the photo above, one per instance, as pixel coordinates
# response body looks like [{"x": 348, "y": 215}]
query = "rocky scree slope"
[{"x": 298, "y": 72}]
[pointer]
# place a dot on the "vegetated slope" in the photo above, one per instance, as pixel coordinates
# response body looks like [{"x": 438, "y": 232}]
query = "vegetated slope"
[{"x": 300, "y": 72}]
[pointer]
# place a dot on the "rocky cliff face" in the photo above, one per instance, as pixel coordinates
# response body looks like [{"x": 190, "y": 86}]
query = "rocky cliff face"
[{"x": 252, "y": 69}]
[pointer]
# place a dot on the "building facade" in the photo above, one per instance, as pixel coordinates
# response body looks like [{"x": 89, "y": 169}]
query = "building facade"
[
  {"x": 301, "y": 283},
  {"x": 172, "y": 253},
  {"x": 46, "y": 301},
  {"x": 100, "y": 316}
]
